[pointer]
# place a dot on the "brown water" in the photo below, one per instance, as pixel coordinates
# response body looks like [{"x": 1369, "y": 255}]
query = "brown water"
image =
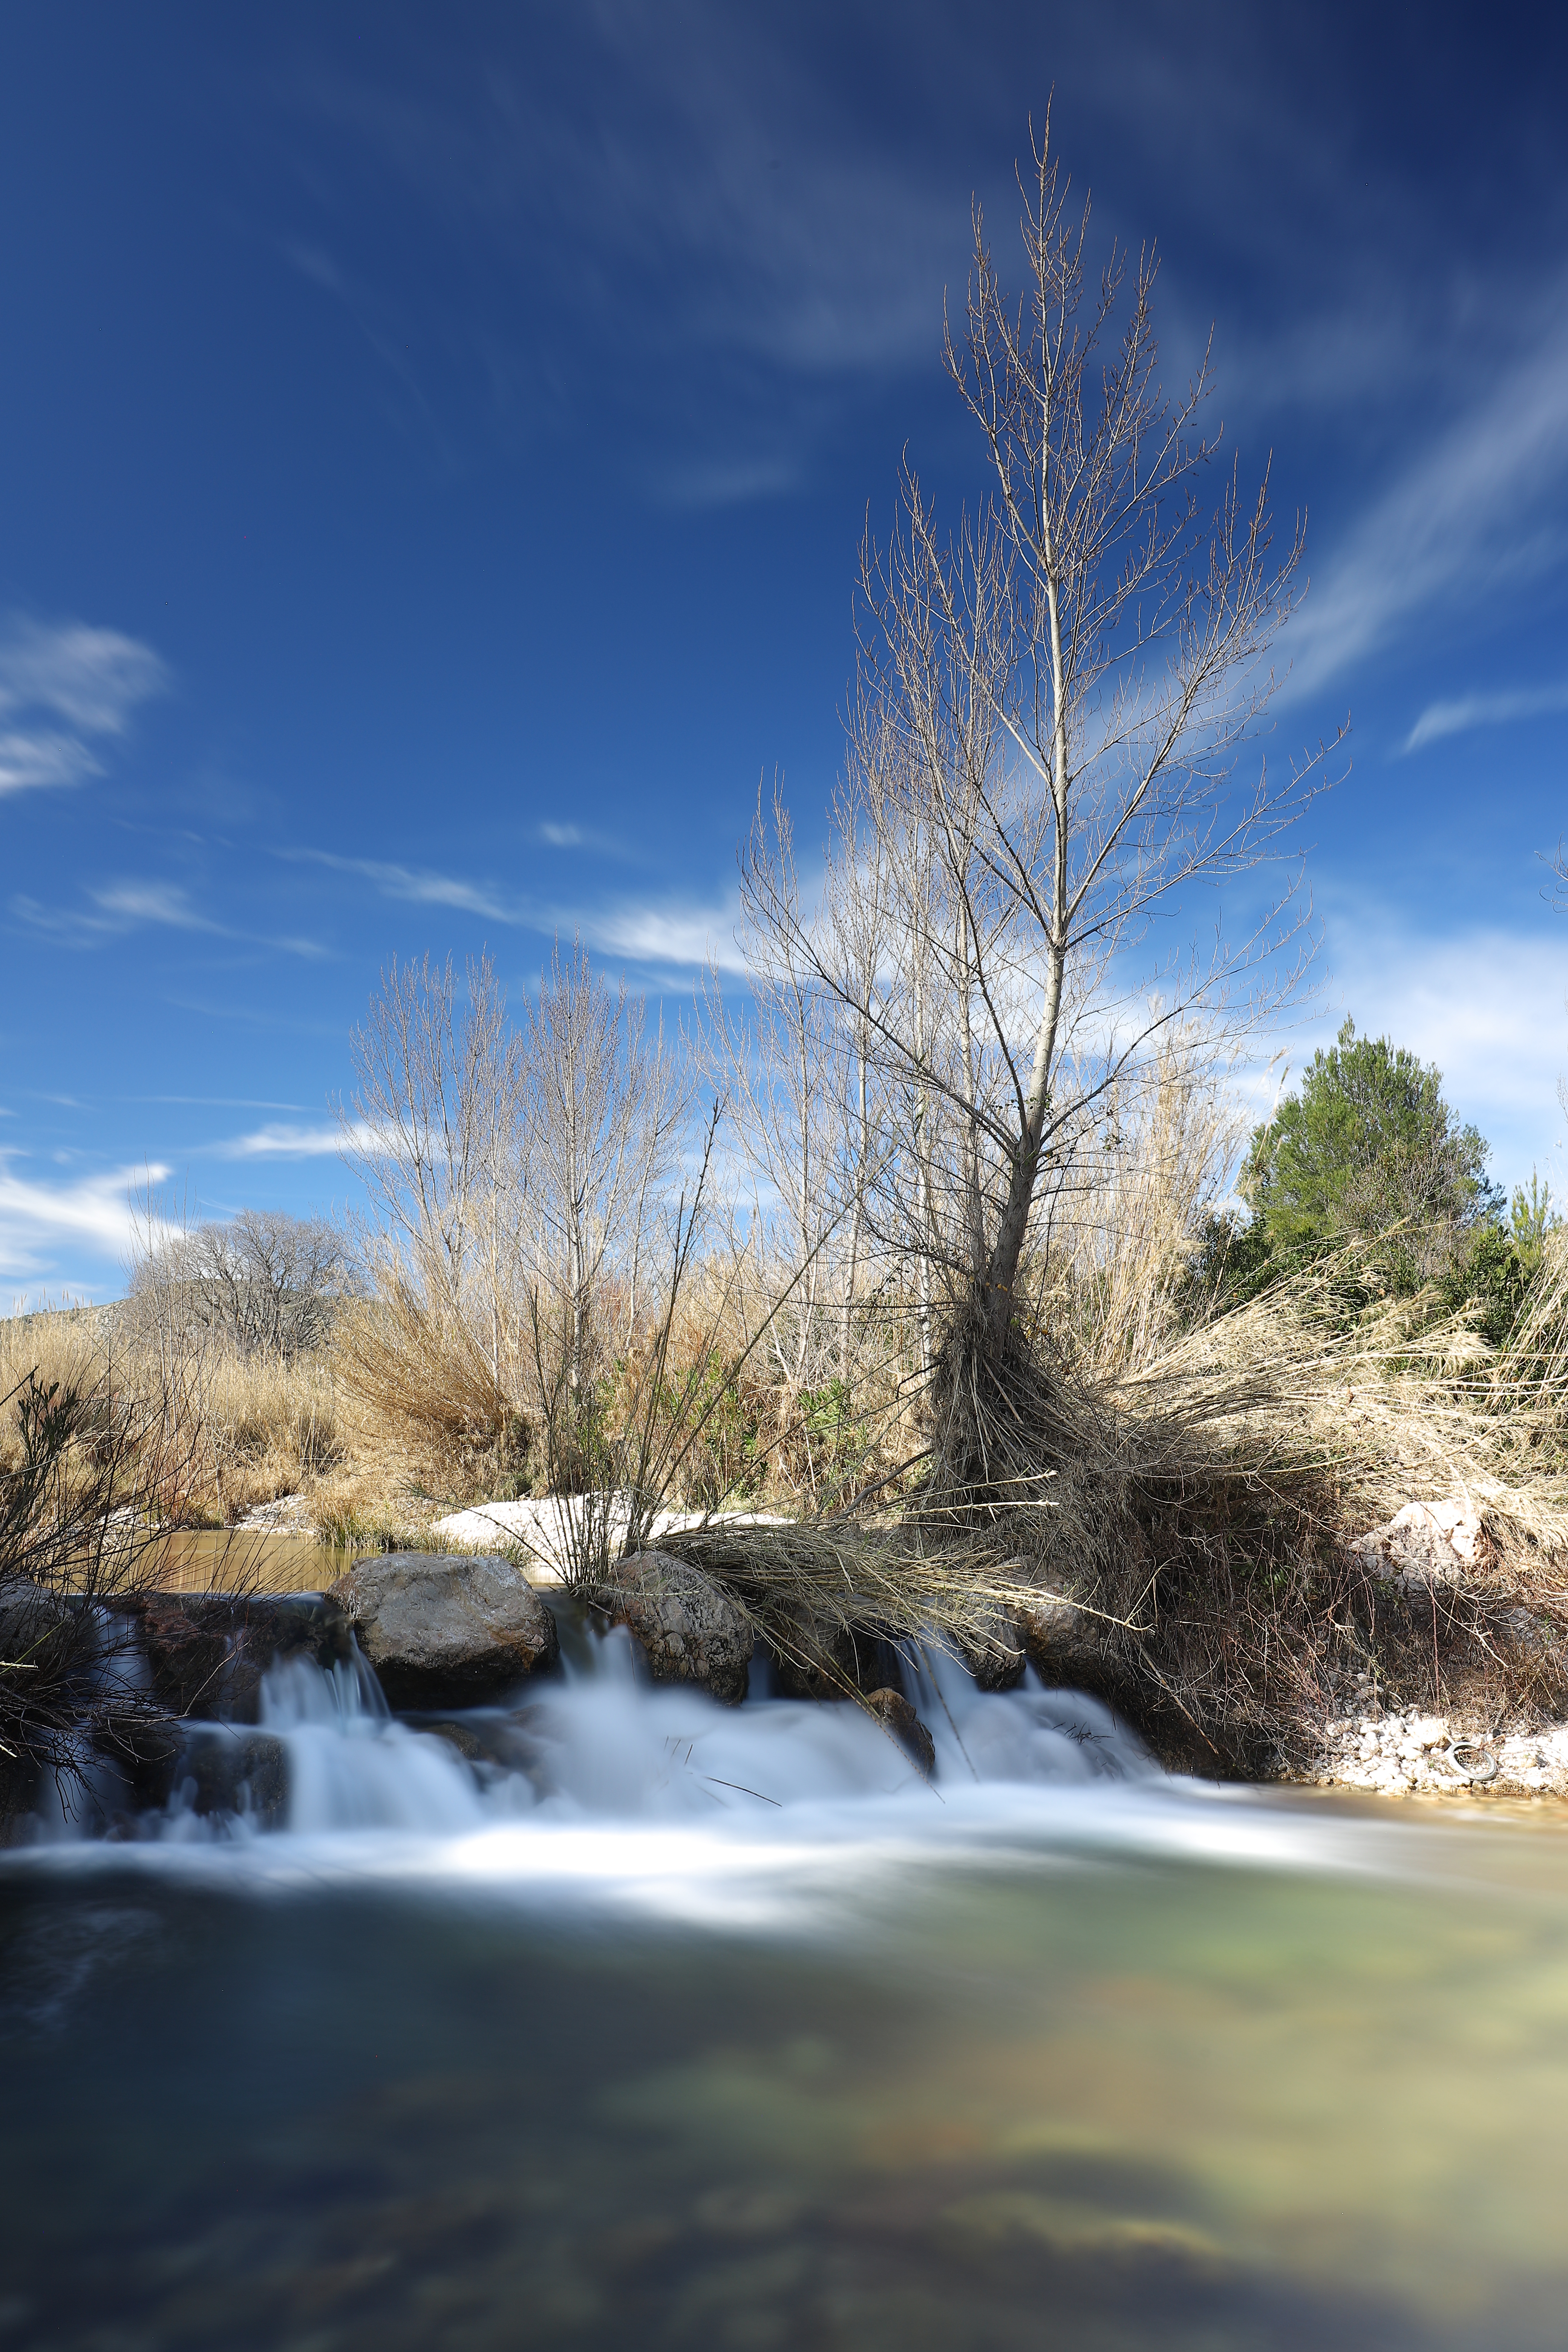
[{"x": 223, "y": 1559}]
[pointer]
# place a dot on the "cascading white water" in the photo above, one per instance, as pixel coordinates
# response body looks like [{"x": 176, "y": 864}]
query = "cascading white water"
[{"x": 600, "y": 1743}]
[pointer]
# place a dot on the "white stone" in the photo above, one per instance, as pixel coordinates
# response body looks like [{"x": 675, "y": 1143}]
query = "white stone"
[
  {"x": 1422, "y": 1543},
  {"x": 548, "y": 1530}
]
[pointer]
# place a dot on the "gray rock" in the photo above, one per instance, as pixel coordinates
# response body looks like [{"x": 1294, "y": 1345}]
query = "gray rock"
[
  {"x": 446, "y": 1629},
  {"x": 893, "y": 1710},
  {"x": 689, "y": 1628},
  {"x": 208, "y": 1652},
  {"x": 28, "y": 1615},
  {"x": 1057, "y": 1639},
  {"x": 993, "y": 1649}
]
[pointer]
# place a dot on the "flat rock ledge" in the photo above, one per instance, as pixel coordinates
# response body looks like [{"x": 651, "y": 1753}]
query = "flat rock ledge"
[
  {"x": 690, "y": 1628},
  {"x": 446, "y": 1630},
  {"x": 208, "y": 1652}
]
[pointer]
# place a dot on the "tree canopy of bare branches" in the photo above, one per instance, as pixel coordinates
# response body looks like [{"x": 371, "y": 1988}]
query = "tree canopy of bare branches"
[
  {"x": 264, "y": 1282},
  {"x": 605, "y": 1109},
  {"x": 1042, "y": 775}
]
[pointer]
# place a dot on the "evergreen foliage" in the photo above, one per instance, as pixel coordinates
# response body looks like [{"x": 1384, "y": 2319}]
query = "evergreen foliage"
[
  {"x": 1370, "y": 1147},
  {"x": 1368, "y": 1152}
]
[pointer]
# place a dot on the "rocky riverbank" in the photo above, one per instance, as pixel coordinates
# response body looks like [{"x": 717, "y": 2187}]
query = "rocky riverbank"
[{"x": 442, "y": 1634}]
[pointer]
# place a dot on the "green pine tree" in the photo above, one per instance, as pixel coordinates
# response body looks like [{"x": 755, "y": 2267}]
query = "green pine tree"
[{"x": 1369, "y": 1151}]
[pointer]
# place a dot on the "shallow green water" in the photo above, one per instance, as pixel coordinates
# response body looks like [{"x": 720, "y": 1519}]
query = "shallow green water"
[{"x": 1210, "y": 2072}]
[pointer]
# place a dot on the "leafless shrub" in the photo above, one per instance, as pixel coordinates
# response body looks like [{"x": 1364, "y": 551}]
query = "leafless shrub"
[
  {"x": 85, "y": 1474},
  {"x": 264, "y": 1284}
]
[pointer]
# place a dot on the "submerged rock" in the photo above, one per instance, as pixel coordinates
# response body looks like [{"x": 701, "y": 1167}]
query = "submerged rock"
[
  {"x": 894, "y": 1711},
  {"x": 208, "y": 1652},
  {"x": 690, "y": 1628},
  {"x": 146, "y": 1747},
  {"x": 224, "y": 1771},
  {"x": 1057, "y": 1638},
  {"x": 446, "y": 1630}
]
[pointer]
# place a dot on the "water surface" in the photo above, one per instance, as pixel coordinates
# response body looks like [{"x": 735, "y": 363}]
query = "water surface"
[{"x": 615, "y": 2050}]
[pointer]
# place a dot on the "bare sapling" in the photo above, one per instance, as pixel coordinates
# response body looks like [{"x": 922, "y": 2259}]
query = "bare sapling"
[
  {"x": 1042, "y": 777},
  {"x": 605, "y": 1103}
]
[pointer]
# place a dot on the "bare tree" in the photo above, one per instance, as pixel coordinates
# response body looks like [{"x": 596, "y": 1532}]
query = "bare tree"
[
  {"x": 782, "y": 1065},
  {"x": 431, "y": 1127},
  {"x": 437, "y": 1132},
  {"x": 1043, "y": 754},
  {"x": 604, "y": 1106},
  {"x": 264, "y": 1281}
]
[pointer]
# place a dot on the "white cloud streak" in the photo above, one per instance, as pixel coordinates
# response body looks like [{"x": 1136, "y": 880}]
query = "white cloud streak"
[
  {"x": 683, "y": 940},
  {"x": 36, "y": 1219},
  {"x": 1471, "y": 711},
  {"x": 129, "y": 906},
  {"x": 277, "y": 1141},
  {"x": 92, "y": 679},
  {"x": 419, "y": 886},
  {"x": 1479, "y": 505},
  {"x": 129, "y": 903},
  {"x": 664, "y": 935}
]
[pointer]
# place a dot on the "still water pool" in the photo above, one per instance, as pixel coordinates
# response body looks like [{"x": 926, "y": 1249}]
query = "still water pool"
[{"x": 1091, "y": 2061}]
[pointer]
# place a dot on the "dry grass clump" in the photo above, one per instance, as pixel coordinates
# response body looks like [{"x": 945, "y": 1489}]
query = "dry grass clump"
[
  {"x": 64, "y": 1348},
  {"x": 418, "y": 1389},
  {"x": 1194, "y": 1502},
  {"x": 273, "y": 1427},
  {"x": 818, "y": 1589},
  {"x": 1223, "y": 1481},
  {"x": 242, "y": 1429}
]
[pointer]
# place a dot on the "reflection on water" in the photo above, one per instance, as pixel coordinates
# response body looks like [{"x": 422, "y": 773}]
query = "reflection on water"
[
  {"x": 1092, "y": 2066},
  {"x": 221, "y": 1559}
]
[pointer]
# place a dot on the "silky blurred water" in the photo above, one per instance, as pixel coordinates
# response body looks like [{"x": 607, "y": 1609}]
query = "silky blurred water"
[{"x": 1035, "y": 2056}]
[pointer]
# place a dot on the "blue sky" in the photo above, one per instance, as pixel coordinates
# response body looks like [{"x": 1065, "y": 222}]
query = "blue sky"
[{"x": 436, "y": 443}]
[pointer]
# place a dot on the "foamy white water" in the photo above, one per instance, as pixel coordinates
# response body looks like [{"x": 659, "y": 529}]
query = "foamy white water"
[{"x": 596, "y": 1789}]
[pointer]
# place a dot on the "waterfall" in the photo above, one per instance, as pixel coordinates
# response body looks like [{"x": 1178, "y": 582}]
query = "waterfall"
[{"x": 598, "y": 1742}]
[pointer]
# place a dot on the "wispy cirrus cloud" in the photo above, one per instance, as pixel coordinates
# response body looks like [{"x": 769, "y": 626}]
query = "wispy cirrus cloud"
[
  {"x": 1479, "y": 508},
  {"x": 668, "y": 935},
  {"x": 117, "y": 908},
  {"x": 280, "y": 1142},
  {"x": 420, "y": 885},
  {"x": 124, "y": 904},
  {"x": 1471, "y": 711},
  {"x": 65, "y": 689},
  {"x": 94, "y": 1211},
  {"x": 669, "y": 938},
  {"x": 557, "y": 833}
]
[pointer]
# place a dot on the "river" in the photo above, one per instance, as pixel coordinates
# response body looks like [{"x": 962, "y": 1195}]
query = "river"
[{"x": 667, "y": 2025}]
